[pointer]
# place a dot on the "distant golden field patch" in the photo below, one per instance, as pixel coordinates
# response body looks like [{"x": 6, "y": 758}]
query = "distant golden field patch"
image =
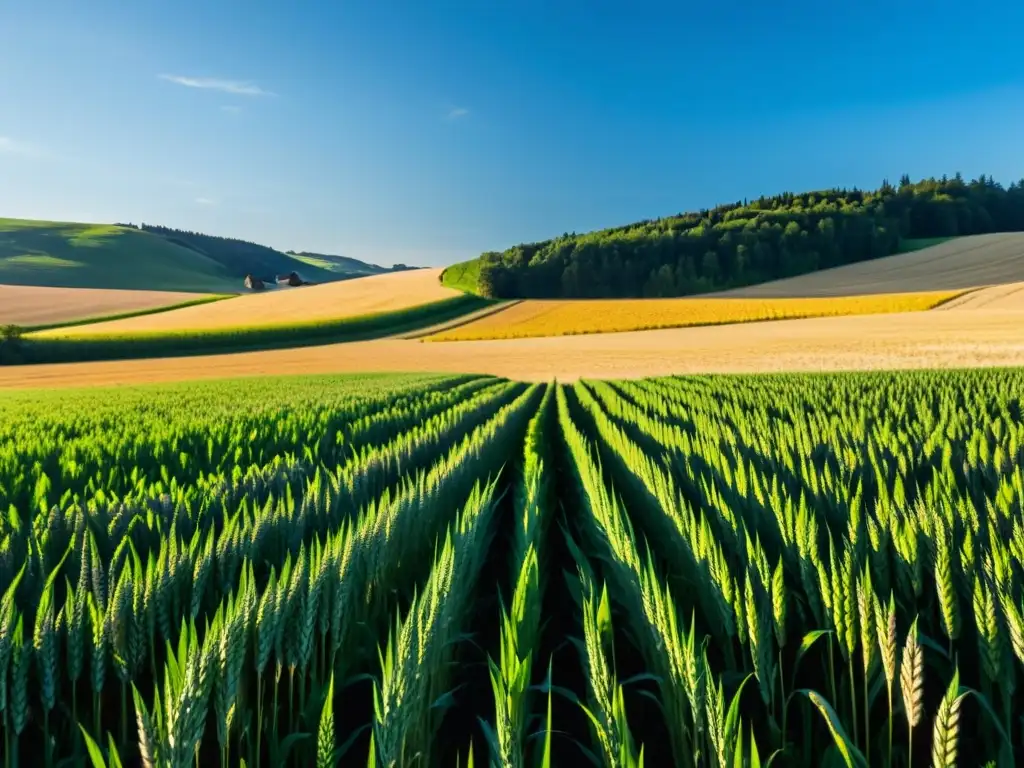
[{"x": 529, "y": 319}]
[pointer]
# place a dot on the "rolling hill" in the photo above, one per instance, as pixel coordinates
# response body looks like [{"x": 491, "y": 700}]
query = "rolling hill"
[
  {"x": 75, "y": 255},
  {"x": 153, "y": 258},
  {"x": 239, "y": 258},
  {"x": 745, "y": 243},
  {"x": 967, "y": 272},
  {"x": 966, "y": 262},
  {"x": 344, "y": 265}
]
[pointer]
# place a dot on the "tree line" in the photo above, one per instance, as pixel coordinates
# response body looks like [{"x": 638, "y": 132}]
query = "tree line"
[{"x": 751, "y": 241}]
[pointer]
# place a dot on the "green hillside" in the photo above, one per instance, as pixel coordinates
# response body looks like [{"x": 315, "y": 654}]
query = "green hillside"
[
  {"x": 341, "y": 265},
  {"x": 464, "y": 276},
  {"x": 345, "y": 265},
  {"x": 746, "y": 242},
  {"x": 71, "y": 255},
  {"x": 239, "y": 258}
]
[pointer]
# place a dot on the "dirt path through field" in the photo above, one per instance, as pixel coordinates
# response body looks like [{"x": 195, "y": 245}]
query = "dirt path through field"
[{"x": 937, "y": 339}]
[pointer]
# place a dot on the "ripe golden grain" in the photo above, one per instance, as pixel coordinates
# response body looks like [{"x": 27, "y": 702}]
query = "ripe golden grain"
[{"x": 569, "y": 318}]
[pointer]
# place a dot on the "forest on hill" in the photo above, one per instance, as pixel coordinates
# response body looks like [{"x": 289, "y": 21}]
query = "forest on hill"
[{"x": 751, "y": 241}]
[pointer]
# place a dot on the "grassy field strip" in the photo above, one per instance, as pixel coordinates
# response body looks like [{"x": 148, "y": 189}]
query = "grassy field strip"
[
  {"x": 460, "y": 321},
  {"x": 572, "y": 317},
  {"x": 462, "y": 276}
]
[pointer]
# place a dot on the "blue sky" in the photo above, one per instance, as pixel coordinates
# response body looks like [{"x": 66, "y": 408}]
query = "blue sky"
[{"x": 427, "y": 132}]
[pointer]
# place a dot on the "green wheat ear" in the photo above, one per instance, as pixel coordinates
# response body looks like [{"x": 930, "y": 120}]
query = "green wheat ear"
[
  {"x": 885, "y": 627},
  {"x": 779, "y": 604},
  {"x": 325, "y": 756},
  {"x": 947, "y": 726},
  {"x": 912, "y": 677}
]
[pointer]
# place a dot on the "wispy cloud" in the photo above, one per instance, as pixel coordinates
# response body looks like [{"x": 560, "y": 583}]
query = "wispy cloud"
[
  {"x": 9, "y": 146},
  {"x": 457, "y": 113},
  {"x": 236, "y": 87},
  {"x": 205, "y": 201}
]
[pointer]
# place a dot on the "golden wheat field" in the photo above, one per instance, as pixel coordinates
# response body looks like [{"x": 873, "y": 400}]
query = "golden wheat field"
[
  {"x": 530, "y": 319},
  {"x": 330, "y": 301},
  {"x": 29, "y": 305},
  {"x": 961, "y": 337}
]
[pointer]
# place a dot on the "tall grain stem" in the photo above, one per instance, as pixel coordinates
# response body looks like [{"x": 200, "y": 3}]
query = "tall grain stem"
[
  {"x": 124, "y": 713},
  {"x": 867, "y": 723},
  {"x": 853, "y": 701},
  {"x": 889, "y": 693},
  {"x": 785, "y": 703},
  {"x": 47, "y": 756},
  {"x": 259, "y": 718},
  {"x": 832, "y": 671}
]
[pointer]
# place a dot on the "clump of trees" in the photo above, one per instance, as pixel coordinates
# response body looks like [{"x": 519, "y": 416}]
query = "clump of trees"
[
  {"x": 11, "y": 351},
  {"x": 751, "y": 241}
]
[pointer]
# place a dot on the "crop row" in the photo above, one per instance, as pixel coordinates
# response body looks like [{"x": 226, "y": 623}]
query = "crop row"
[{"x": 709, "y": 571}]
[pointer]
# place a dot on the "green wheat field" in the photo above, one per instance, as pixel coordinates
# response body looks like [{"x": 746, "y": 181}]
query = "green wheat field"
[{"x": 462, "y": 570}]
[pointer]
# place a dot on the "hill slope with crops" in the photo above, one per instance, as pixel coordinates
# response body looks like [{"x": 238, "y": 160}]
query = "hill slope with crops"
[
  {"x": 748, "y": 242},
  {"x": 987, "y": 269},
  {"x": 304, "y": 304},
  {"x": 962, "y": 263},
  {"x": 827, "y": 569}
]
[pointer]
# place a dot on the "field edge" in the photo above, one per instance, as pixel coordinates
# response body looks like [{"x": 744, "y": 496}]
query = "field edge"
[
  {"x": 68, "y": 349},
  {"x": 947, "y": 297}
]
